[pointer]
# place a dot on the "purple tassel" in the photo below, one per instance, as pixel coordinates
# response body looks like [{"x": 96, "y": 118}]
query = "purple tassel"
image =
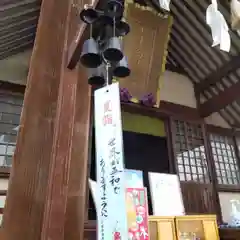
[
  {"x": 148, "y": 100},
  {"x": 125, "y": 96}
]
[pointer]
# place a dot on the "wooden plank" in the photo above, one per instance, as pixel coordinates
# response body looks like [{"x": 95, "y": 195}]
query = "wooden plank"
[
  {"x": 57, "y": 193},
  {"x": 41, "y": 166},
  {"x": 218, "y": 102},
  {"x": 217, "y": 75},
  {"x": 198, "y": 198},
  {"x": 78, "y": 184},
  {"x": 74, "y": 92}
]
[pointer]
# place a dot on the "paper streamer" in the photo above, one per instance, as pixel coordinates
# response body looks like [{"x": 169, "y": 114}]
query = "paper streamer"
[
  {"x": 235, "y": 15},
  {"x": 165, "y": 4},
  {"x": 219, "y": 27}
]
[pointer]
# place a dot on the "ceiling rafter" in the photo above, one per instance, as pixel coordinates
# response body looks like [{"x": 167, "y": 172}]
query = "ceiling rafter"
[
  {"x": 220, "y": 101},
  {"x": 12, "y": 50},
  {"x": 217, "y": 75},
  {"x": 18, "y": 34},
  {"x": 11, "y": 28}
]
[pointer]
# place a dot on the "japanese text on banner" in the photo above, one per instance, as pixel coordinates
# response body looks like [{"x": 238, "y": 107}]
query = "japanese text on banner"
[{"x": 110, "y": 174}]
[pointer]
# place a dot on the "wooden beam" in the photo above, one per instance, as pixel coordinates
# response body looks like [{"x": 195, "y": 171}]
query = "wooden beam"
[
  {"x": 12, "y": 87},
  {"x": 78, "y": 183},
  {"x": 175, "y": 69},
  {"x": 3, "y": 192},
  {"x": 165, "y": 110},
  {"x": 52, "y": 115},
  {"x": 4, "y": 172},
  {"x": 218, "y": 102},
  {"x": 230, "y": 132},
  {"x": 217, "y": 75},
  {"x": 76, "y": 47}
]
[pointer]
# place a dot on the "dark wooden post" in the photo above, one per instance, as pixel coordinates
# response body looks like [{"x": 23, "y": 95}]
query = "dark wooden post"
[
  {"x": 48, "y": 177},
  {"x": 76, "y": 205}
]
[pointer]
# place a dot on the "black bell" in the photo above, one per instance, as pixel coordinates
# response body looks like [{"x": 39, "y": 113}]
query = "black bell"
[
  {"x": 122, "y": 70},
  {"x": 122, "y": 28},
  {"x": 114, "y": 9},
  {"x": 96, "y": 76},
  {"x": 113, "y": 51},
  {"x": 90, "y": 56},
  {"x": 89, "y": 15}
]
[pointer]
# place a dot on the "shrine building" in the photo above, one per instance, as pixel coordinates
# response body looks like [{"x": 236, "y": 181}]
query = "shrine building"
[{"x": 47, "y": 132}]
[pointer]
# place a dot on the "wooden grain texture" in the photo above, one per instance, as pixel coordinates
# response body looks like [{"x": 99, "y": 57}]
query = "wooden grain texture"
[
  {"x": 42, "y": 161},
  {"x": 76, "y": 205},
  {"x": 144, "y": 48},
  {"x": 198, "y": 198},
  {"x": 74, "y": 90}
]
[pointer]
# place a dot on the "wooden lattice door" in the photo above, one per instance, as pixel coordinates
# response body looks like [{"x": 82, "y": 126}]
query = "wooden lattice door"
[{"x": 193, "y": 166}]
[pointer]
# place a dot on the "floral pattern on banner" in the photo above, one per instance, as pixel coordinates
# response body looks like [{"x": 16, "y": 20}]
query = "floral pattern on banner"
[{"x": 137, "y": 214}]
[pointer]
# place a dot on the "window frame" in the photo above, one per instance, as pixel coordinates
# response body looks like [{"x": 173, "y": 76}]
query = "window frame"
[
  {"x": 197, "y": 128},
  {"x": 229, "y": 133},
  {"x": 14, "y": 90}
]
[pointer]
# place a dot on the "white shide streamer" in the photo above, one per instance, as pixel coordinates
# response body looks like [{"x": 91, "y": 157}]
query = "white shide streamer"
[
  {"x": 165, "y": 4},
  {"x": 235, "y": 15},
  {"x": 219, "y": 27}
]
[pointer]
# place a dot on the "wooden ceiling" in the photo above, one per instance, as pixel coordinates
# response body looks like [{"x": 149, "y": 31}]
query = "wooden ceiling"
[
  {"x": 214, "y": 73},
  {"x": 18, "y": 23}
]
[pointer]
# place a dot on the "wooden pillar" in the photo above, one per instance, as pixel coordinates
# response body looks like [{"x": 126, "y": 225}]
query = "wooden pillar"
[
  {"x": 54, "y": 123},
  {"x": 76, "y": 207}
]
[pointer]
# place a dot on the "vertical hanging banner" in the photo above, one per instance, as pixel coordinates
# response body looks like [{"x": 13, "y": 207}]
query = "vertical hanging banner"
[{"x": 111, "y": 207}]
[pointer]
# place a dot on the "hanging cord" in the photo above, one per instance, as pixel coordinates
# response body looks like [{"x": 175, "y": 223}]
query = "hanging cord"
[
  {"x": 114, "y": 27},
  {"x": 108, "y": 73},
  {"x": 91, "y": 30}
]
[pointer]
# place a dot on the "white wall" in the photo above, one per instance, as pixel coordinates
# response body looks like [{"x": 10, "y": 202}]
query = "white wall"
[
  {"x": 178, "y": 89},
  {"x": 3, "y": 184}
]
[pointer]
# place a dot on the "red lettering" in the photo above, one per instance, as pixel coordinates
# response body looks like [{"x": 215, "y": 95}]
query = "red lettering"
[
  {"x": 108, "y": 106},
  {"x": 107, "y": 119}
]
